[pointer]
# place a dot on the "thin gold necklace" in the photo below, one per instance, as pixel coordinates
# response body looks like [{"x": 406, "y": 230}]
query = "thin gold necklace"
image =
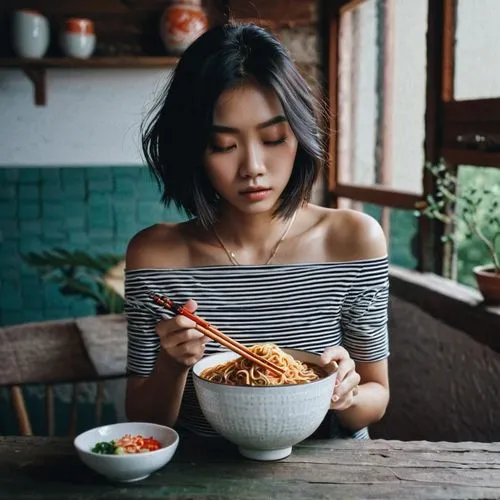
[{"x": 232, "y": 256}]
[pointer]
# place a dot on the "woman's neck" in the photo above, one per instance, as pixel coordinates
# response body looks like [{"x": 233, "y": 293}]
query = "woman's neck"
[{"x": 251, "y": 238}]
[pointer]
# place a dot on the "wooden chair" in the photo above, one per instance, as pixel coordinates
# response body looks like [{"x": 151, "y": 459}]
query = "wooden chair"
[{"x": 48, "y": 353}]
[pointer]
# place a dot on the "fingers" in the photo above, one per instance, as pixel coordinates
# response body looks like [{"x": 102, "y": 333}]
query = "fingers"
[
  {"x": 191, "y": 305},
  {"x": 347, "y": 380},
  {"x": 337, "y": 359},
  {"x": 183, "y": 336},
  {"x": 348, "y": 385},
  {"x": 336, "y": 353},
  {"x": 180, "y": 339},
  {"x": 188, "y": 353},
  {"x": 346, "y": 367}
]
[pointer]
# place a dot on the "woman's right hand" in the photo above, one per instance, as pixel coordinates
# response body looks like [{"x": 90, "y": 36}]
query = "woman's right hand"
[{"x": 179, "y": 339}]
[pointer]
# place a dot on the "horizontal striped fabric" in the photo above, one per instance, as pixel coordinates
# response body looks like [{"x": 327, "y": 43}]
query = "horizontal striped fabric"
[{"x": 304, "y": 306}]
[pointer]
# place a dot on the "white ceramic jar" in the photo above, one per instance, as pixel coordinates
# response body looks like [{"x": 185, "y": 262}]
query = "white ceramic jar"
[
  {"x": 78, "y": 38},
  {"x": 30, "y": 33}
]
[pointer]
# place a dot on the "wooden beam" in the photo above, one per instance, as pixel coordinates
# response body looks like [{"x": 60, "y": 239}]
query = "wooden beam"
[
  {"x": 50, "y": 409},
  {"x": 379, "y": 195},
  {"x": 448, "y": 63},
  {"x": 39, "y": 81},
  {"x": 275, "y": 13},
  {"x": 346, "y": 4},
  {"x": 332, "y": 97},
  {"x": 471, "y": 157},
  {"x": 93, "y": 62},
  {"x": 74, "y": 7},
  {"x": 472, "y": 110},
  {"x": 384, "y": 122},
  {"x": 439, "y": 88},
  {"x": 446, "y": 250},
  {"x": 23, "y": 421}
]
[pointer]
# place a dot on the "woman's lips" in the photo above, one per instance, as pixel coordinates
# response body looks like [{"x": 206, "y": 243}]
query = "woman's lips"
[{"x": 256, "y": 195}]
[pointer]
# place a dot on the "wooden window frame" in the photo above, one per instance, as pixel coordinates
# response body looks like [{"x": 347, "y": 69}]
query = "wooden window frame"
[
  {"x": 449, "y": 126},
  {"x": 379, "y": 194}
]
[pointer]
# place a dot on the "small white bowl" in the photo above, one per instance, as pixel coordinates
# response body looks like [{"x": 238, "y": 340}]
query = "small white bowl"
[
  {"x": 265, "y": 422},
  {"x": 127, "y": 468}
]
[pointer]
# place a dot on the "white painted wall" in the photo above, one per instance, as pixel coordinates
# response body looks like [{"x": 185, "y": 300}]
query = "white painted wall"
[{"x": 92, "y": 117}]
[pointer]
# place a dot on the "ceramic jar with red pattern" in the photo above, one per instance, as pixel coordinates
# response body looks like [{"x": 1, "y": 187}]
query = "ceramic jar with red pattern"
[{"x": 182, "y": 22}]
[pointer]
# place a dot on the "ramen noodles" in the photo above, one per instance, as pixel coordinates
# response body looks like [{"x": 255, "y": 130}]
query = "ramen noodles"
[{"x": 241, "y": 371}]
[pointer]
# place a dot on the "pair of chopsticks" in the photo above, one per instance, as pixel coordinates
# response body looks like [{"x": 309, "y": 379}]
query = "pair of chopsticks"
[{"x": 210, "y": 331}]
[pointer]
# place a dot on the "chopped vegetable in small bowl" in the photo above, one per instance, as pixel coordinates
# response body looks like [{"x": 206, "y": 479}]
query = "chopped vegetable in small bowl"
[
  {"x": 127, "y": 451},
  {"x": 127, "y": 444}
]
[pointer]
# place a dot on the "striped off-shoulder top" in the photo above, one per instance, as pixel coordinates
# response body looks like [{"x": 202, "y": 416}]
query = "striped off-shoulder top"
[{"x": 308, "y": 306}]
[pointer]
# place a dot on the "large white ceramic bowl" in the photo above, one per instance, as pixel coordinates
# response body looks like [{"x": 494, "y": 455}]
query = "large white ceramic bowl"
[
  {"x": 265, "y": 422},
  {"x": 132, "y": 467}
]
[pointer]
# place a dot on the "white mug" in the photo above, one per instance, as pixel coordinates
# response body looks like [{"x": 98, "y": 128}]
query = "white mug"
[{"x": 30, "y": 33}]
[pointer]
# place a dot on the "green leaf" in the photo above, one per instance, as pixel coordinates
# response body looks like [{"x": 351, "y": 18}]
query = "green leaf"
[{"x": 78, "y": 273}]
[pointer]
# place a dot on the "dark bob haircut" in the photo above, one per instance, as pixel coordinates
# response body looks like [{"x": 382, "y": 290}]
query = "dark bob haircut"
[{"x": 178, "y": 130}]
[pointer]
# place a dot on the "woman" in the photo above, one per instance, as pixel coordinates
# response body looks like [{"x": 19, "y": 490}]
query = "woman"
[{"x": 236, "y": 144}]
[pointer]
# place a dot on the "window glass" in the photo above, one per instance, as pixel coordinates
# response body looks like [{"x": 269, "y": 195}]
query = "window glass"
[
  {"x": 477, "y": 73},
  {"x": 364, "y": 73},
  {"x": 479, "y": 184}
]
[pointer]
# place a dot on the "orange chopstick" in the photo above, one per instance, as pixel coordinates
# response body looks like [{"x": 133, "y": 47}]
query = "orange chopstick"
[{"x": 210, "y": 331}]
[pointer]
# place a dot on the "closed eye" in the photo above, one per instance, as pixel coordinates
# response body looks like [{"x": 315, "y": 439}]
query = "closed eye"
[
  {"x": 227, "y": 149},
  {"x": 277, "y": 142},
  {"x": 219, "y": 149}
]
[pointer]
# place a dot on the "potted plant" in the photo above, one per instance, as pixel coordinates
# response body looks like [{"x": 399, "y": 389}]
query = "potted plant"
[
  {"x": 472, "y": 211},
  {"x": 81, "y": 274}
]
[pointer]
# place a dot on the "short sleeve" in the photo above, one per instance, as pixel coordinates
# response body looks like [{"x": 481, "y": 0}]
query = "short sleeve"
[
  {"x": 143, "y": 343},
  {"x": 364, "y": 313}
]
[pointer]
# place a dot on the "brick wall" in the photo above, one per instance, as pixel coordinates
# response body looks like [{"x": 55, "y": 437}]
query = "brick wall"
[{"x": 96, "y": 209}]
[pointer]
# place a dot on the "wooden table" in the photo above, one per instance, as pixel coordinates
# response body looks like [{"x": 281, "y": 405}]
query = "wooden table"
[{"x": 48, "y": 468}]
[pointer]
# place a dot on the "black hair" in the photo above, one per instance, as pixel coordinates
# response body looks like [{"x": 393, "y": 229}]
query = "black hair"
[{"x": 178, "y": 130}]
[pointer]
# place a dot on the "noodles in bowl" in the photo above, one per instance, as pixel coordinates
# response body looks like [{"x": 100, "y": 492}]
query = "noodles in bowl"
[
  {"x": 264, "y": 421},
  {"x": 241, "y": 371}
]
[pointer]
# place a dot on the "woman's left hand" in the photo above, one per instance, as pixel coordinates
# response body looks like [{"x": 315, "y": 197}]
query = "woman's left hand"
[{"x": 347, "y": 382}]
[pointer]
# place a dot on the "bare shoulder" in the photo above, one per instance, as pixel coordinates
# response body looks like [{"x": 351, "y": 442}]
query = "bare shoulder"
[
  {"x": 353, "y": 235},
  {"x": 156, "y": 246}
]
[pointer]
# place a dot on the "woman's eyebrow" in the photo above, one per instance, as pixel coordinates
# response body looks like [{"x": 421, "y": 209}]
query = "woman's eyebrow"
[{"x": 231, "y": 130}]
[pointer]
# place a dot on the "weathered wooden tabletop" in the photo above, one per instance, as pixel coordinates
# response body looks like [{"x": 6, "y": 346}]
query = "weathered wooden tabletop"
[{"x": 46, "y": 468}]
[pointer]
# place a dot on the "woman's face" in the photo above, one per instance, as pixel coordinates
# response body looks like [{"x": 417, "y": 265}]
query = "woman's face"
[{"x": 252, "y": 149}]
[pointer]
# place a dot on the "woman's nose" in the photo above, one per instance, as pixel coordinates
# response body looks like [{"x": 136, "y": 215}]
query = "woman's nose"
[{"x": 252, "y": 163}]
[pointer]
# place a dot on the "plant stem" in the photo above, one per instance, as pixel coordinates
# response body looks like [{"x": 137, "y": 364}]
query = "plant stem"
[
  {"x": 495, "y": 247},
  {"x": 489, "y": 245}
]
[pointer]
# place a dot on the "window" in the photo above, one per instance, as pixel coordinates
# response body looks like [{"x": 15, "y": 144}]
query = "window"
[
  {"x": 411, "y": 82},
  {"x": 378, "y": 109},
  {"x": 471, "y": 252}
]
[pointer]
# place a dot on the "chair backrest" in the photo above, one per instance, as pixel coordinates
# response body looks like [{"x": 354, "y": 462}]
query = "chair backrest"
[{"x": 48, "y": 353}]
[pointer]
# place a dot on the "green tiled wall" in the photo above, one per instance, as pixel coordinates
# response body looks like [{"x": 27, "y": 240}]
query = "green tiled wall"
[{"x": 96, "y": 209}]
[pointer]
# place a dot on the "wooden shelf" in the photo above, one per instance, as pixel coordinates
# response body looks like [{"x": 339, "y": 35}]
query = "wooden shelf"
[
  {"x": 93, "y": 62},
  {"x": 35, "y": 69}
]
